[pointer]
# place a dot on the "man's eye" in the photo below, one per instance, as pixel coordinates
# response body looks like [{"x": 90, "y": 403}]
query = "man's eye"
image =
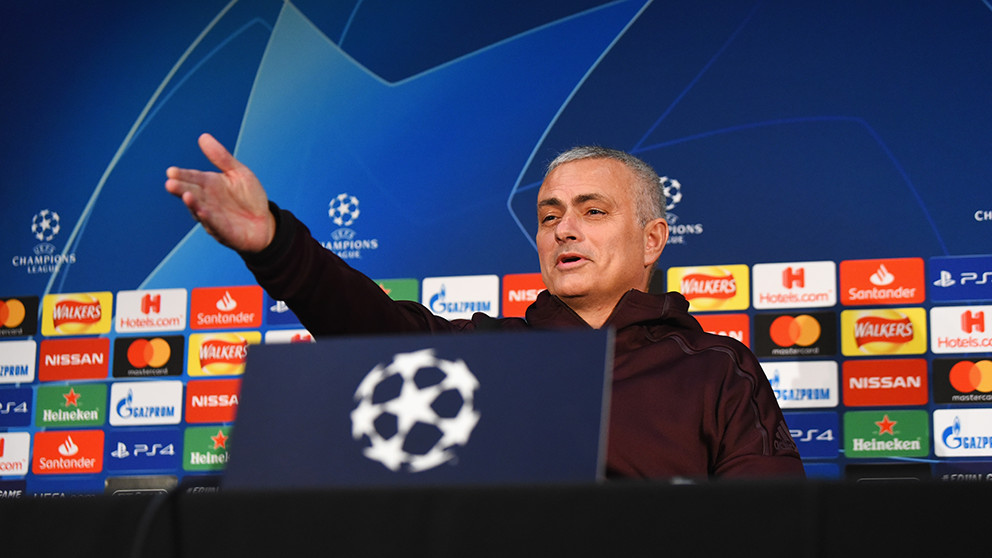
[
  {"x": 596, "y": 212},
  {"x": 548, "y": 218}
]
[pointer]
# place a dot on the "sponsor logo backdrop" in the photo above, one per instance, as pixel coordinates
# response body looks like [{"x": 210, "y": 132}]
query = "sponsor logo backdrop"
[{"x": 816, "y": 216}]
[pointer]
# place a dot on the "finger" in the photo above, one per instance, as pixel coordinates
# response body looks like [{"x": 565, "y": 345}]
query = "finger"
[{"x": 218, "y": 154}]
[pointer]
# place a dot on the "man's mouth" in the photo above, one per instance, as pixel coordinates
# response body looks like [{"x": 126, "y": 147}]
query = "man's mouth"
[{"x": 569, "y": 259}]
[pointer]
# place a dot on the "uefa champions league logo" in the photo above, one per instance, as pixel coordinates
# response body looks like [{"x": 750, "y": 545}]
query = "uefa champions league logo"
[
  {"x": 45, "y": 225},
  {"x": 414, "y": 412},
  {"x": 343, "y": 210},
  {"x": 673, "y": 192}
]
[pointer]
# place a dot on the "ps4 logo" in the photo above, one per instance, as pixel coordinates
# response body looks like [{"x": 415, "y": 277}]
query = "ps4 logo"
[
  {"x": 143, "y": 450},
  {"x": 812, "y": 434},
  {"x": 13, "y": 407},
  {"x": 967, "y": 277}
]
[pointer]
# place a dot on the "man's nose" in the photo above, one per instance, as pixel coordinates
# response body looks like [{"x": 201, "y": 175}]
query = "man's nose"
[{"x": 568, "y": 228}]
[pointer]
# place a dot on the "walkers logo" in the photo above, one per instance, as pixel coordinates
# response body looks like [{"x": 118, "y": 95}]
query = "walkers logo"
[
  {"x": 15, "y": 453},
  {"x": 143, "y": 357},
  {"x": 17, "y": 360},
  {"x": 962, "y": 381},
  {"x": 343, "y": 211},
  {"x": 791, "y": 335},
  {"x": 128, "y": 450},
  {"x": 890, "y": 281},
  {"x": 519, "y": 292},
  {"x": 71, "y": 405},
  {"x": 15, "y": 407},
  {"x": 212, "y": 400},
  {"x": 461, "y": 297},
  {"x": 799, "y": 385},
  {"x": 219, "y": 354},
  {"x": 146, "y": 403},
  {"x": 19, "y": 316},
  {"x": 226, "y": 307},
  {"x": 76, "y": 314},
  {"x": 962, "y": 432},
  {"x": 711, "y": 288},
  {"x": 960, "y": 278},
  {"x": 205, "y": 448},
  {"x": 74, "y": 359},
  {"x": 886, "y": 434},
  {"x": 817, "y": 435},
  {"x": 159, "y": 310},
  {"x": 68, "y": 452},
  {"x": 878, "y": 383},
  {"x": 736, "y": 326},
  {"x": 961, "y": 329},
  {"x": 795, "y": 285},
  {"x": 895, "y": 331}
]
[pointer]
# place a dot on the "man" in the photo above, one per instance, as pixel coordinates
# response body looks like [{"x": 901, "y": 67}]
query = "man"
[{"x": 684, "y": 403}]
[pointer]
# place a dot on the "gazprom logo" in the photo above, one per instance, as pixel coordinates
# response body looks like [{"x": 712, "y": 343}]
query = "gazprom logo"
[{"x": 461, "y": 297}]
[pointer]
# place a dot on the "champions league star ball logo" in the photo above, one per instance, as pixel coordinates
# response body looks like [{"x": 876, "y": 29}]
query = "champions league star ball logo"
[
  {"x": 673, "y": 192},
  {"x": 415, "y": 411},
  {"x": 343, "y": 210},
  {"x": 45, "y": 225}
]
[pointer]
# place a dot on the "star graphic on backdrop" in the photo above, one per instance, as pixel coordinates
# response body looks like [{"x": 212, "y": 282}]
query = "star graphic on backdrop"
[
  {"x": 220, "y": 440},
  {"x": 885, "y": 425},
  {"x": 71, "y": 398}
]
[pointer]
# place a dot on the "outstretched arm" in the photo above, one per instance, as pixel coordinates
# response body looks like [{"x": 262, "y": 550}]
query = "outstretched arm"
[{"x": 231, "y": 204}]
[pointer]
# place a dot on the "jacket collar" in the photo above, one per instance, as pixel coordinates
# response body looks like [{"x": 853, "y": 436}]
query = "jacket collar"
[{"x": 635, "y": 307}]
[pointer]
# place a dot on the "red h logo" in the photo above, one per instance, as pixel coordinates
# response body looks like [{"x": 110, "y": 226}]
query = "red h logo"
[
  {"x": 794, "y": 277},
  {"x": 970, "y": 322},
  {"x": 150, "y": 303}
]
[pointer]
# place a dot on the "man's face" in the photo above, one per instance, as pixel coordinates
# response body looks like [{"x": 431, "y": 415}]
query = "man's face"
[{"x": 590, "y": 244}]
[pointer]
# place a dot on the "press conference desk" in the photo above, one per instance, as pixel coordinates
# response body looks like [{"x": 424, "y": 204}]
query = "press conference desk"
[{"x": 613, "y": 519}]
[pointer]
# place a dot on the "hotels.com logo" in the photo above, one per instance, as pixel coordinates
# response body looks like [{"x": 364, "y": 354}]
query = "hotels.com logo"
[
  {"x": 795, "y": 285},
  {"x": 960, "y": 329},
  {"x": 711, "y": 287}
]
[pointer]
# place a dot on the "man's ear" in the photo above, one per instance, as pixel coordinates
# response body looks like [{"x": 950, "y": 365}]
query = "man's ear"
[{"x": 655, "y": 238}]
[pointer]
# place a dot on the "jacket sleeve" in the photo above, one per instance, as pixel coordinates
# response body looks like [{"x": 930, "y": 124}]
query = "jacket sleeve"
[
  {"x": 755, "y": 441},
  {"x": 329, "y": 296}
]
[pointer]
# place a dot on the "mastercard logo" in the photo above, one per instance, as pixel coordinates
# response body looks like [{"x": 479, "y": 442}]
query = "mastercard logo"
[
  {"x": 12, "y": 312},
  {"x": 149, "y": 353},
  {"x": 788, "y": 331},
  {"x": 967, "y": 376}
]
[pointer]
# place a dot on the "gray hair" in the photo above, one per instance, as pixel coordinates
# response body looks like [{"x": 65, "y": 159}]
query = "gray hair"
[{"x": 649, "y": 196}]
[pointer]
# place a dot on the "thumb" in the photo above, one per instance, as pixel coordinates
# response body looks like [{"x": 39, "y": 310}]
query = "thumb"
[{"x": 217, "y": 153}]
